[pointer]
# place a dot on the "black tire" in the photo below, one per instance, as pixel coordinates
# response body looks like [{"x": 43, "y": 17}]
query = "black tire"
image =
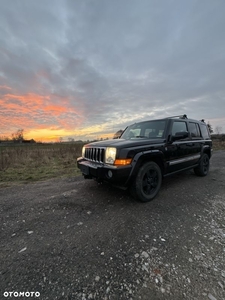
[
  {"x": 147, "y": 182},
  {"x": 203, "y": 167}
]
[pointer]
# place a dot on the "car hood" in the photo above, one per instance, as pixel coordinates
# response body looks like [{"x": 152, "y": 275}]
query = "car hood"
[{"x": 122, "y": 143}]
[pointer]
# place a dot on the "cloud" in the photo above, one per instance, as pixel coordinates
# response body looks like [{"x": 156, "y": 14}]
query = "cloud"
[
  {"x": 97, "y": 66},
  {"x": 34, "y": 112}
]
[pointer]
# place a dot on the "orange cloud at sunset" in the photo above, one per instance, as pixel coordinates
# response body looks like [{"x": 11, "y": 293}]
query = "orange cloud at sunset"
[
  {"x": 56, "y": 109},
  {"x": 43, "y": 117}
]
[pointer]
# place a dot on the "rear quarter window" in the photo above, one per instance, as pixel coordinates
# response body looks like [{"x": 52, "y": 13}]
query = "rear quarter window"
[{"x": 204, "y": 131}]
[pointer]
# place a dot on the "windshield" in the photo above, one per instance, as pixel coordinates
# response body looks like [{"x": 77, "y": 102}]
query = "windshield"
[{"x": 149, "y": 129}]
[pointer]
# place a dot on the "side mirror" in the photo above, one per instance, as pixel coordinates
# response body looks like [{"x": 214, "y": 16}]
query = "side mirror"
[{"x": 180, "y": 135}]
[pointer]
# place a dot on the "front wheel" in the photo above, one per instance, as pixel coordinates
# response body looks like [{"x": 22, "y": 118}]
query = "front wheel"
[
  {"x": 203, "y": 167},
  {"x": 147, "y": 182}
]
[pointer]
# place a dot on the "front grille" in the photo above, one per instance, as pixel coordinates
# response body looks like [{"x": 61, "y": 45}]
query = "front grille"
[{"x": 95, "y": 154}]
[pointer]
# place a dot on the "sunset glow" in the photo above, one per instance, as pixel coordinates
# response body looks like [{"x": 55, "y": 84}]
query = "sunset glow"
[{"x": 38, "y": 115}]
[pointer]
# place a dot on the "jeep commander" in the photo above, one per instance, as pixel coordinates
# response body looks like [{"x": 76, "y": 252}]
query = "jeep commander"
[{"x": 148, "y": 151}]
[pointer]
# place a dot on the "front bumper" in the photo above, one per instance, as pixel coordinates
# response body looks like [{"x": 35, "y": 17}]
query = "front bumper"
[{"x": 118, "y": 175}]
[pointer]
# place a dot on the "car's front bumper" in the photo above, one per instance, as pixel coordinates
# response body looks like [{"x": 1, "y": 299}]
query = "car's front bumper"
[{"x": 118, "y": 175}]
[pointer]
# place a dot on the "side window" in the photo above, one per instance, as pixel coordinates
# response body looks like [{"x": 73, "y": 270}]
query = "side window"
[
  {"x": 179, "y": 126},
  {"x": 204, "y": 131},
  {"x": 194, "y": 130}
]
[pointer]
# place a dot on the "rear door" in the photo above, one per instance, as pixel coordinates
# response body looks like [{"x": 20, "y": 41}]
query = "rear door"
[{"x": 197, "y": 141}]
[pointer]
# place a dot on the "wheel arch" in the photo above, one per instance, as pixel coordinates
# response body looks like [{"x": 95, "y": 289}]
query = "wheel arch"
[
  {"x": 141, "y": 158},
  {"x": 207, "y": 150}
]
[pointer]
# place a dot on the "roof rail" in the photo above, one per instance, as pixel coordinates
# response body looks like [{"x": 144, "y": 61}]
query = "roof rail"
[{"x": 180, "y": 117}]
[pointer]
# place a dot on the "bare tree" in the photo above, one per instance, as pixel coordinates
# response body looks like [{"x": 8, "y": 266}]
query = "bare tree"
[
  {"x": 218, "y": 130},
  {"x": 118, "y": 134},
  {"x": 210, "y": 128},
  {"x": 18, "y": 136}
]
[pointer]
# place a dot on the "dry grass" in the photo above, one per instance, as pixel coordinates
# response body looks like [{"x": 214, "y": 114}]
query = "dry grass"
[
  {"x": 43, "y": 161},
  {"x": 218, "y": 145},
  {"x": 37, "y": 162}
]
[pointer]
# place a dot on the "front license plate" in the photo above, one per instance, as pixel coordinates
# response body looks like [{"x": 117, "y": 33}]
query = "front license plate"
[{"x": 85, "y": 169}]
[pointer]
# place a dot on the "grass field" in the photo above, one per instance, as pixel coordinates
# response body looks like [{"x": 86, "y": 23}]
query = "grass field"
[
  {"x": 218, "y": 144},
  {"x": 24, "y": 163}
]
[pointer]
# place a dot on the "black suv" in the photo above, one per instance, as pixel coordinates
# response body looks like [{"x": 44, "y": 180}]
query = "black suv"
[{"x": 148, "y": 151}]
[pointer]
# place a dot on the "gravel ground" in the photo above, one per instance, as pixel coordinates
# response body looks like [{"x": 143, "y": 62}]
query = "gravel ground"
[{"x": 73, "y": 239}]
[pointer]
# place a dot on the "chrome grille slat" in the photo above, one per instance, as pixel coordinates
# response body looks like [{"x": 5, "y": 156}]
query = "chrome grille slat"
[{"x": 95, "y": 154}]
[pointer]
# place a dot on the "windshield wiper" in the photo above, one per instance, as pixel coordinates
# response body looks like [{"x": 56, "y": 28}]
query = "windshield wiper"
[{"x": 141, "y": 136}]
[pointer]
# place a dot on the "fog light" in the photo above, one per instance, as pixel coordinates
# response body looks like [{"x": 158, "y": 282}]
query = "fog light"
[{"x": 110, "y": 174}]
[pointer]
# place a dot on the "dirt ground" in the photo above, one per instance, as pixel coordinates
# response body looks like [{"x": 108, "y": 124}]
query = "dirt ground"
[{"x": 72, "y": 239}]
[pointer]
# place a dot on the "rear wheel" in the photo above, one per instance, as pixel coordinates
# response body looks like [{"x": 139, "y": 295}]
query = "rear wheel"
[
  {"x": 203, "y": 167},
  {"x": 147, "y": 182}
]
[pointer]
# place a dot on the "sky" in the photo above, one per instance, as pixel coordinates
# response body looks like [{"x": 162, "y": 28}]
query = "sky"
[{"x": 85, "y": 69}]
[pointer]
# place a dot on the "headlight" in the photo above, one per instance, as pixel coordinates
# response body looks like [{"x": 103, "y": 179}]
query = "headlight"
[
  {"x": 83, "y": 151},
  {"x": 110, "y": 155}
]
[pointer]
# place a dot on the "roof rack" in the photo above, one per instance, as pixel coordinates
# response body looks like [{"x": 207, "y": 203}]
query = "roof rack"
[{"x": 180, "y": 117}]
